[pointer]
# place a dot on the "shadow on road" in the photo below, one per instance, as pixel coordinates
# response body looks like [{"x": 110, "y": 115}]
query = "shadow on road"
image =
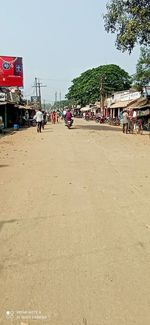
[
  {"x": 46, "y": 130},
  {"x": 1, "y": 166},
  {"x": 2, "y": 223},
  {"x": 98, "y": 128}
]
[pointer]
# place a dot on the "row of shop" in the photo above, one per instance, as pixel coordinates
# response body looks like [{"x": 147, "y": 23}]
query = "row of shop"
[
  {"x": 12, "y": 114},
  {"x": 13, "y": 108},
  {"x": 130, "y": 100}
]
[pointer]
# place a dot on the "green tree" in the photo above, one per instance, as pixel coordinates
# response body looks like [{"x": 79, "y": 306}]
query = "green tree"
[
  {"x": 59, "y": 105},
  {"x": 86, "y": 88},
  {"x": 142, "y": 76},
  {"x": 130, "y": 20}
]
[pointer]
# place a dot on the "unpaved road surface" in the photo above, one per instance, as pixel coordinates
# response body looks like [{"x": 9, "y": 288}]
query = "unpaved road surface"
[{"x": 75, "y": 227}]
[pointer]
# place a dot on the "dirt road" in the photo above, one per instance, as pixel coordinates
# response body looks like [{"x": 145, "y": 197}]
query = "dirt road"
[{"x": 75, "y": 227}]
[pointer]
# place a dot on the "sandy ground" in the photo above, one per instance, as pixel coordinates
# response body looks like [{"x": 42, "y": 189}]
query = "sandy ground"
[{"x": 75, "y": 227}]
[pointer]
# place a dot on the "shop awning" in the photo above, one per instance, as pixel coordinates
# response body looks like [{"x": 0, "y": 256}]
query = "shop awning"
[
  {"x": 121, "y": 104},
  {"x": 141, "y": 103},
  {"x": 25, "y": 107},
  {"x": 85, "y": 109}
]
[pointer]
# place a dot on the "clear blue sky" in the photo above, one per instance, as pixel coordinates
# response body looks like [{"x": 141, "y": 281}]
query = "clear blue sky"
[{"x": 58, "y": 39}]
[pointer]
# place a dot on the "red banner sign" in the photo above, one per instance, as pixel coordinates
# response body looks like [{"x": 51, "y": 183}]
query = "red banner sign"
[{"x": 11, "y": 71}]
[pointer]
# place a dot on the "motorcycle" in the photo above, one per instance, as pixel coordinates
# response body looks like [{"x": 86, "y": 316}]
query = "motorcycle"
[
  {"x": 97, "y": 119},
  {"x": 69, "y": 123}
]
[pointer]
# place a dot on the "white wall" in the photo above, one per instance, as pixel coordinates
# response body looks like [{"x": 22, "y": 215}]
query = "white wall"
[{"x": 123, "y": 96}]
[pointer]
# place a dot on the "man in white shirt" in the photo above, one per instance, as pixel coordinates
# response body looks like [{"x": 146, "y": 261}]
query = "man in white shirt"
[
  {"x": 39, "y": 119},
  {"x": 64, "y": 113}
]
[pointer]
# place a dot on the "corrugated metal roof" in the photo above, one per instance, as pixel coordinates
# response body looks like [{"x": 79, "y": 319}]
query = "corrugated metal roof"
[
  {"x": 140, "y": 103},
  {"x": 85, "y": 109},
  {"x": 121, "y": 104}
]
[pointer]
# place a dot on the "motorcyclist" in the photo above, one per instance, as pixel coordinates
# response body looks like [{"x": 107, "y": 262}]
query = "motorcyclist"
[{"x": 69, "y": 116}]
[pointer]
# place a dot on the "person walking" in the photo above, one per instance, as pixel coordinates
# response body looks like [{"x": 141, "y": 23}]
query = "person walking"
[
  {"x": 53, "y": 117},
  {"x": 64, "y": 114},
  {"x": 125, "y": 120},
  {"x": 39, "y": 120},
  {"x": 44, "y": 119}
]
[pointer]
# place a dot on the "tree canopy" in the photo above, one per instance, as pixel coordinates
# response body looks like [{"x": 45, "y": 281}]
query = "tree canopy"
[
  {"x": 142, "y": 76},
  {"x": 86, "y": 88},
  {"x": 61, "y": 104},
  {"x": 130, "y": 20}
]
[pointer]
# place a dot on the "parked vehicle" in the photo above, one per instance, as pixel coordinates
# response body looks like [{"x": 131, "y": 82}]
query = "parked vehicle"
[
  {"x": 114, "y": 121},
  {"x": 97, "y": 119},
  {"x": 146, "y": 127}
]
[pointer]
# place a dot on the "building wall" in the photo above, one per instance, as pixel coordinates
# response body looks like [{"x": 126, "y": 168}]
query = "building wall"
[{"x": 122, "y": 96}]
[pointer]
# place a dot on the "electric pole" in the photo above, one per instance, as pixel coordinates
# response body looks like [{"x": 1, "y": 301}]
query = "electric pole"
[
  {"x": 55, "y": 96},
  {"x": 38, "y": 85},
  {"x": 102, "y": 92},
  {"x": 60, "y": 99},
  {"x": 44, "y": 105}
]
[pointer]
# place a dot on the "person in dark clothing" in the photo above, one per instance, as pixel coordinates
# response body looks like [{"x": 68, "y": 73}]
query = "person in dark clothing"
[{"x": 69, "y": 117}]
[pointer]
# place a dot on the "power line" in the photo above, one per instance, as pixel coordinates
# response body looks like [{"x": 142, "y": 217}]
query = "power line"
[
  {"x": 56, "y": 79},
  {"x": 38, "y": 85}
]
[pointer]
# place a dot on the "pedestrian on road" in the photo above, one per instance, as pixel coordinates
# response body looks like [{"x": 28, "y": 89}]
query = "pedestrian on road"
[
  {"x": 39, "y": 119},
  {"x": 44, "y": 119},
  {"x": 125, "y": 122},
  {"x": 64, "y": 114},
  {"x": 140, "y": 126},
  {"x": 53, "y": 117}
]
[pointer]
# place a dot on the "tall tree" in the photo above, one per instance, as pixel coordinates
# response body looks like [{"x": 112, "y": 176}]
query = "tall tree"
[
  {"x": 61, "y": 104},
  {"x": 142, "y": 76},
  {"x": 87, "y": 88},
  {"x": 130, "y": 20}
]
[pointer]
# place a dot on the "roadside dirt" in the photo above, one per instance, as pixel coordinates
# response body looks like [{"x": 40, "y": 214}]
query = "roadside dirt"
[{"x": 75, "y": 226}]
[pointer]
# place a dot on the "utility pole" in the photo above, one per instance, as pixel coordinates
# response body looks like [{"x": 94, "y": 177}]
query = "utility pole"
[
  {"x": 44, "y": 105},
  {"x": 36, "y": 87},
  {"x": 39, "y": 85},
  {"x": 55, "y": 96},
  {"x": 60, "y": 99},
  {"x": 39, "y": 88},
  {"x": 102, "y": 92}
]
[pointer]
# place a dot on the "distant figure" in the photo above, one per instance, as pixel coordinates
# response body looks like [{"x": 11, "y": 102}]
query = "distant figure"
[
  {"x": 26, "y": 119},
  {"x": 53, "y": 117},
  {"x": 140, "y": 126},
  {"x": 64, "y": 113},
  {"x": 44, "y": 119},
  {"x": 39, "y": 119},
  {"x": 58, "y": 116},
  {"x": 125, "y": 122},
  {"x": 130, "y": 124}
]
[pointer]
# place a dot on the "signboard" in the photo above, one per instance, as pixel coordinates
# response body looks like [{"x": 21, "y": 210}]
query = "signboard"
[
  {"x": 130, "y": 96},
  {"x": 35, "y": 99},
  {"x": 11, "y": 71},
  {"x": 144, "y": 113}
]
